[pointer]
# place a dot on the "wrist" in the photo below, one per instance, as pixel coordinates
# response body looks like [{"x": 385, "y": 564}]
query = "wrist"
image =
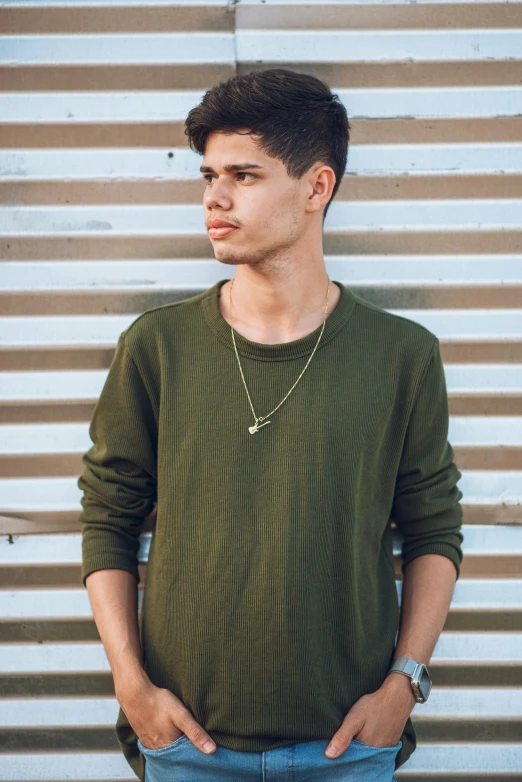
[
  {"x": 131, "y": 687},
  {"x": 400, "y": 687}
]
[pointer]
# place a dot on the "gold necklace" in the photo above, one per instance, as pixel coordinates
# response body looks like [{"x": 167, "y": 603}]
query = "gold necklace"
[{"x": 258, "y": 424}]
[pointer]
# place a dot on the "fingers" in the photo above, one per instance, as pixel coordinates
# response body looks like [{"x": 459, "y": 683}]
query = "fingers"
[
  {"x": 194, "y": 732},
  {"x": 341, "y": 740}
]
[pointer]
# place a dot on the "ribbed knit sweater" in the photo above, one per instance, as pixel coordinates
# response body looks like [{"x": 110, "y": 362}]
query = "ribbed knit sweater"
[{"x": 270, "y": 605}]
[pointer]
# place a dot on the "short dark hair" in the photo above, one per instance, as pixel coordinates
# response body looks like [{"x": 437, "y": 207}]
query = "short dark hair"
[{"x": 296, "y": 116}]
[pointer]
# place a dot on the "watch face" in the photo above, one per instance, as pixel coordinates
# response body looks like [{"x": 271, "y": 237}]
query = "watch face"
[{"x": 425, "y": 684}]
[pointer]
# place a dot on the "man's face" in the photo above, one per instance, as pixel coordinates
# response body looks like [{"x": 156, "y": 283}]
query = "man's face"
[{"x": 266, "y": 207}]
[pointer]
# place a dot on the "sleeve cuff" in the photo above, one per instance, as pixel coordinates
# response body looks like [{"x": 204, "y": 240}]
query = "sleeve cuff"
[
  {"x": 108, "y": 560},
  {"x": 446, "y": 549}
]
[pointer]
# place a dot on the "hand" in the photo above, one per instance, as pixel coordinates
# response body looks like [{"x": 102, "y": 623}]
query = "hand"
[
  {"x": 158, "y": 718},
  {"x": 377, "y": 719}
]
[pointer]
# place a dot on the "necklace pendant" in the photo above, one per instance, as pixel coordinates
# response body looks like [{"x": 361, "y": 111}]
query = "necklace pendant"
[{"x": 253, "y": 429}]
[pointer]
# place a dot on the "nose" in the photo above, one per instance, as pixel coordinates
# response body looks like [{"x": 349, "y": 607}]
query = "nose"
[{"x": 217, "y": 196}]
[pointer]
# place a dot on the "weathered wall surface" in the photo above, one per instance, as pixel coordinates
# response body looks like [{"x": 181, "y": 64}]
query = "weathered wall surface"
[{"x": 101, "y": 218}]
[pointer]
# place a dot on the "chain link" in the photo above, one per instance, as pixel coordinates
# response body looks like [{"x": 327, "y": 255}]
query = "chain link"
[{"x": 262, "y": 418}]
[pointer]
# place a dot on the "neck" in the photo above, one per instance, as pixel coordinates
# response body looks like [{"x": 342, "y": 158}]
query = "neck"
[{"x": 277, "y": 309}]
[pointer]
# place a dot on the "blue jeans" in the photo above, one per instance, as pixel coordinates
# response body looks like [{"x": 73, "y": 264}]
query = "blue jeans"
[{"x": 303, "y": 761}]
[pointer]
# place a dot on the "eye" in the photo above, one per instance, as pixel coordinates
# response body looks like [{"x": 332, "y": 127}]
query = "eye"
[{"x": 208, "y": 177}]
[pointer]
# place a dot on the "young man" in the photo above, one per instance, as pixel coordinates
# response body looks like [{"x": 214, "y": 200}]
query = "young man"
[{"x": 281, "y": 423}]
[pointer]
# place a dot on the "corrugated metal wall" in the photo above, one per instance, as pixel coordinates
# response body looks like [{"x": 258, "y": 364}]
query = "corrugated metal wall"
[{"x": 101, "y": 218}]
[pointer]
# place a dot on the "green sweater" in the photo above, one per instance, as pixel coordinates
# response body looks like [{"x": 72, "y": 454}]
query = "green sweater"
[{"x": 270, "y": 604}]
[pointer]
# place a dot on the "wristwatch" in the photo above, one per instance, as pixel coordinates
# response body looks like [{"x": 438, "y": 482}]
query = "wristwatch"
[{"x": 419, "y": 676}]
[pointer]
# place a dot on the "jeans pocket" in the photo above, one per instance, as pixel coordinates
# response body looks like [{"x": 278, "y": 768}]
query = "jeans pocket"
[
  {"x": 394, "y": 747},
  {"x": 160, "y": 750}
]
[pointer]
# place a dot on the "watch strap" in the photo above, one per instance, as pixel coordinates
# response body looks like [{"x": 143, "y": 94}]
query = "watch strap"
[{"x": 403, "y": 665}]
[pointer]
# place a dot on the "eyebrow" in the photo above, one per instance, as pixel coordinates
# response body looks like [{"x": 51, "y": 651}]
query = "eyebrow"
[{"x": 231, "y": 167}]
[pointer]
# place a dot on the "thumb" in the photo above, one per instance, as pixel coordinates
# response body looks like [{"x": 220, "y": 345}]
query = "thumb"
[
  {"x": 193, "y": 730},
  {"x": 342, "y": 738}
]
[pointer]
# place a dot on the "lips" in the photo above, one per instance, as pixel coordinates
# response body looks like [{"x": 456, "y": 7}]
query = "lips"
[{"x": 219, "y": 228}]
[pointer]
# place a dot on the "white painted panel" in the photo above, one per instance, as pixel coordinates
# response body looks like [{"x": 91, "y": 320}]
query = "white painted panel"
[
  {"x": 490, "y": 431},
  {"x": 136, "y": 163},
  {"x": 150, "y": 106},
  {"x": 57, "y": 766},
  {"x": 467, "y": 648},
  {"x": 69, "y": 604},
  {"x": 459, "y": 759},
  {"x": 53, "y": 658},
  {"x": 489, "y": 594},
  {"x": 175, "y": 220},
  {"x": 193, "y": 276},
  {"x": 479, "y": 487},
  {"x": 451, "y": 649},
  {"x": 443, "y": 758},
  {"x": 448, "y": 45},
  {"x": 61, "y": 438},
  {"x": 86, "y": 386},
  {"x": 91, "y": 331},
  {"x": 65, "y": 549},
  {"x": 483, "y": 378},
  {"x": 66, "y": 386},
  {"x": 116, "y": 49},
  {"x": 474, "y": 703},
  {"x": 58, "y": 712}
]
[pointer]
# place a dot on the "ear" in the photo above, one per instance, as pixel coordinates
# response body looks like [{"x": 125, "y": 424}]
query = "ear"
[{"x": 321, "y": 182}]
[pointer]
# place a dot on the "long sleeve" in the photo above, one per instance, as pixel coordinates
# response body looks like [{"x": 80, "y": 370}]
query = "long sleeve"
[
  {"x": 426, "y": 505},
  {"x": 119, "y": 480}
]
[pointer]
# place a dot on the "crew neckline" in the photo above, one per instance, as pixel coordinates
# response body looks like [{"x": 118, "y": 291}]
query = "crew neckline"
[{"x": 284, "y": 350}]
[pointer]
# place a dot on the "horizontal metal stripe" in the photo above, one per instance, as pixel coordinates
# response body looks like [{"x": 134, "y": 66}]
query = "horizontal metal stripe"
[
  {"x": 58, "y": 549},
  {"x": 21, "y": 495},
  {"x": 67, "y": 604},
  {"x": 359, "y": 16},
  {"x": 478, "y": 703},
  {"x": 470, "y": 762},
  {"x": 352, "y": 3},
  {"x": 149, "y": 3},
  {"x": 150, "y": 106},
  {"x": 130, "y": 298},
  {"x": 107, "y": 245},
  {"x": 174, "y": 220},
  {"x": 77, "y": 630},
  {"x": 270, "y": 39},
  {"x": 58, "y": 630},
  {"x": 116, "y": 77},
  {"x": 497, "y": 352},
  {"x": 61, "y": 684},
  {"x": 100, "y": 739},
  {"x": 42, "y": 18},
  {"x": 92, "y": 331},
  {"x": 46, "y": 520},
  {"x": 179, "y": 164},
  {"x": 484, "y": 760},
  {"x": 339, "y": 45},
  {"x": 184, "y": 278},
  {"x": 41, "y": 631},
  {"x": 73, "y": 438},
  {"x": 126, "y": 17},
  {"x": 25, "y": 78},
  {"x": 52, "y": 766},
  {"x": 478, "y": 404},
  {"x": 60, "y": 134},
  {"x": 71, "y": 386},
  {"x": 451, "y": 648},
  {"x": 66, "y": 711},
  {"x": 353, "y": 187},
  {"x": 142, "y": 49},
  {"x": 102, "y": 684}
]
